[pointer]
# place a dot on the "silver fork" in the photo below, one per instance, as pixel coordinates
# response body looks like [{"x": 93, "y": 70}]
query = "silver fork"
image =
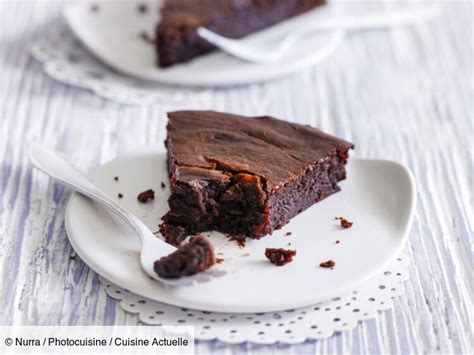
[
  {"x": 258, "y": 52},
  {"x": 152, "y": 248}
]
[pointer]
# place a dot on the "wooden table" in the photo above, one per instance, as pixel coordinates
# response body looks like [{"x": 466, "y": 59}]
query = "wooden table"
[{"x": 405, "y": 95}]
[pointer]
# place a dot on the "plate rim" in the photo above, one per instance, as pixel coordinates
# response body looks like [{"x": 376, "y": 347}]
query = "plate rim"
[{"x": 336, "y": 292}]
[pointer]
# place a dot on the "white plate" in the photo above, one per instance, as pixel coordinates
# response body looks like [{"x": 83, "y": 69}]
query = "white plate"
[
  {"x": 378, "y": 196},
  {"x": 113, "y": 35}
]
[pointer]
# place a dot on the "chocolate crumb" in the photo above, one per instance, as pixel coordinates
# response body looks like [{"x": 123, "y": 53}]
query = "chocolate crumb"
[
  {"x": 193, "y": 257},
  {"x": 120, "y": 195},
  {"x": 163, "y": 185},
  {"x": 344, "y": 222},
  {"x": 142, "y": 8},
  {"x": 246, "y": 254},
  {"x": 288, "y": 234},
  {"x": 94, "y": 8},
  {"x": 146, "y": 37},
  {"x": 146, "y": 196},
  {"x": 115, "y": 178},
  {"x": 219, "y": 260},
  {"x": 289, "y": 244},
  {"x": 240, "y": 240},
  {"x": 328, "y": 264},
  {"x": 338, "y": 241},
  {"x": 279, "y": 256}
]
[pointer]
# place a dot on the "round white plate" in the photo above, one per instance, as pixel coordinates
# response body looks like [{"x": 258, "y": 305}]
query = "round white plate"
[
  {"x": 113, "y": 34},
  {"x": 378, "y": 196}
]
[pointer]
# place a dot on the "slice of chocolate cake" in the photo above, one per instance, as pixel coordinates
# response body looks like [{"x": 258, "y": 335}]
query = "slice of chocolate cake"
[
  {"x": 177, "y": 40},
  {"x": 245, "y": 176}
]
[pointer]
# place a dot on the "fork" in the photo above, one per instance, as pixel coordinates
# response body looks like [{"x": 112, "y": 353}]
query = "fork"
[
  {"x": 248, "y": 50},
  {"x": 152, "y": 248}
]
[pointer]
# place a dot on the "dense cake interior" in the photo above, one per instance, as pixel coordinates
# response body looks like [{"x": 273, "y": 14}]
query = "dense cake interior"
[
  {"x": 233, "y": 203},
  {"x": 193, "y": 257},
  {"x": 246, "y": 176}
]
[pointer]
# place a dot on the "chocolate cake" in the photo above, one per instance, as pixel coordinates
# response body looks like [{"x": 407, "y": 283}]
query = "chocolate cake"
[
  {"x": 177, "y": 40},
  {"x": 193, "y": 257},
  {"x": 245, "y": 176}
]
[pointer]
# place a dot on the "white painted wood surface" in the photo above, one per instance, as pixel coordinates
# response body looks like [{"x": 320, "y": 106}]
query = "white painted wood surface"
[{"x": 405, "y": 95}]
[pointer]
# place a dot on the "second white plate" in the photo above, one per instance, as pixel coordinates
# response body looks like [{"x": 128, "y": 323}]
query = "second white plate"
[
  {"x": 113, "y": 31},
  {"x": 378, "y": 196}
]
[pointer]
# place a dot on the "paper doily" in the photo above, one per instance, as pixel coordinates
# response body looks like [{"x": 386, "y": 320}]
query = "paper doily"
[
  {"x": 65, "y": 59},
  {"x": 290, "y": 326}
]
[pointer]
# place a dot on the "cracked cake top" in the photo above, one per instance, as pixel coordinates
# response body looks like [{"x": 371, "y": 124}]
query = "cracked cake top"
[{"x": 209, "y": 145}]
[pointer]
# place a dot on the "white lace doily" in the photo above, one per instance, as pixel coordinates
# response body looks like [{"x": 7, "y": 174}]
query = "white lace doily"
[
  {"x": 65, "y": 59},
  {"x": 291, "y": 326}
]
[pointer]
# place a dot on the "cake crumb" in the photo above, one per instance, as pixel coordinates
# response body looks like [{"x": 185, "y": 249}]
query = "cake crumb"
[
  {"x": 288, "y": 234},
  {"x": 163, "y": 185},
  {"x": 142, "y": 8},
  {"x": 146, "y": 196},
  {"x": 120, "y": 195},
  {"x": 195, "y": 256},
  {"x": 240, "y": 240},
  {"x": 328, "y": 264},
  {"x": 116, "y": 178},
  {"x": 219, "y": 260},
  {"x": 344, "y": 222},
  {"x": 146, "y": 37},
  {"x": 246, "y": 254},
  {"x": 338, "y": 241},
  {"x": 279, "y": 256}
]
